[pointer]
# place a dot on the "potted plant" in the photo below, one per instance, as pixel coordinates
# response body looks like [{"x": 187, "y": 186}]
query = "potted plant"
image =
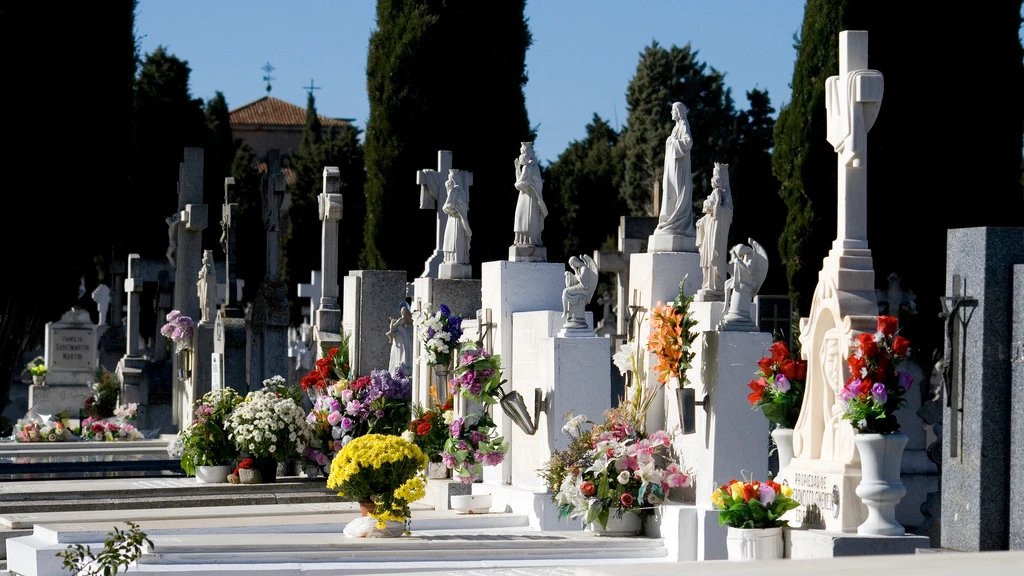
[
  {"x": 384, "y": 473},
  {"x": 873, "y": 393},
  {"x": 105, "y": 390},
  {"x": 270, "y": 428},
  {"x": 37, "y": 368},
  {"x": 612, "y": 475},
  {"x": 778, "y": 391},
  {"x": 753, "y": 512},
  {"x": 429, "y": 432},
  {"x": 207, "y": 453}
]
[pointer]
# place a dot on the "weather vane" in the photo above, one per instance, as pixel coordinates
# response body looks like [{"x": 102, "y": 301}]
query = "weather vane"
[
  {"x": 311, "y": 87},
  {"x": 267, "y": 77}
]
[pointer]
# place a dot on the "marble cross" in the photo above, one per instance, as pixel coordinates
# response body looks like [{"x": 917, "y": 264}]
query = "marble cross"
[
  {"x": 228, "y": 242},
  {"x": 273, "y": 187},
  {"x": 895, "y": 297},
  {"x": 852, "y": 101},
  {"x": 633, "y": 231},
  {"x": 101, "y": 296},
  {"x": 312, "y": 291},
  {"x": 432, "y": 197}
]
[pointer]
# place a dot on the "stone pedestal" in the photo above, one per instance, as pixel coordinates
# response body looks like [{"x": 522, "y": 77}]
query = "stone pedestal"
[
  {"x": 573, "y": 376},
  {"x": 371, "y": 299},
  {"x": 654, "y": 279},
  {"x": 133, "y": 388},
  {"x": 802, "y": 544},
  {"x": 463, "y": 298},
  {"x": 527, "y": 254},
  {"x": 228, "y": 363},
  {"x": 509, "y": 287},
  {"x": 672, "y": 243},
  {"x": 455, "y": 271}
]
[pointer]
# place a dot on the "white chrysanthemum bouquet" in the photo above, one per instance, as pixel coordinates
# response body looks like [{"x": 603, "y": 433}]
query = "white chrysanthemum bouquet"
[{"x": 269, "y": 425}]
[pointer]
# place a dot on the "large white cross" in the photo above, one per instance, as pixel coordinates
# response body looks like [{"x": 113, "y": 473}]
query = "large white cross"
[
  {"x": 432, "y": 197},
  {"x": 852, "y": 100},
  {"x": 313, "y": 290}
]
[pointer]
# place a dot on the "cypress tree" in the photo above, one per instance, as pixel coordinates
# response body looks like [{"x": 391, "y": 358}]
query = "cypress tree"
[
  {"x": 443, "y": 75},
  {"x": 218, "y": 155}
]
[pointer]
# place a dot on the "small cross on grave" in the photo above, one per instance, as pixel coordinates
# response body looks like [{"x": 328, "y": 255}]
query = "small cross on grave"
[
  {"x": 633, "y": 232},
  {"x": 608, "y": 325},
  {"x": 485, "y": 329},
  {"x": 432, "y": 197},
  {"x": 957, "y": 311},
  {"x": 894, "y": 300},
  {"x": 313, "y": 290},
  {"x": 775, "y": 315}
]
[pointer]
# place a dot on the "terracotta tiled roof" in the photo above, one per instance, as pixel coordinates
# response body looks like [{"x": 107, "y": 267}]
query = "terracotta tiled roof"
[
  {"x": 289, "y": 174},
  {"x": 271, "y": 111}
]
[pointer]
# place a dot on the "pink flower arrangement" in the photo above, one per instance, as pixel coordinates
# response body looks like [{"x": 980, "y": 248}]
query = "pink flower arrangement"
[{"x": 178, "y": 328}]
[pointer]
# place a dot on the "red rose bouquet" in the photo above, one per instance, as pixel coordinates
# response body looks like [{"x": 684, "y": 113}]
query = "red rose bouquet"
[
  {"x": 778, "y": 386},
  {"x": 876, "y": 388}
]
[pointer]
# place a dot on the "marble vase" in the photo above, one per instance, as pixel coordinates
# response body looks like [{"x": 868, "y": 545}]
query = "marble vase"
[
  {"x": 628, "y": 524},
  {"x": 880, "y": 488},
  {"x": 784, "y": 444},
  {"x": 746, "y": 544}
]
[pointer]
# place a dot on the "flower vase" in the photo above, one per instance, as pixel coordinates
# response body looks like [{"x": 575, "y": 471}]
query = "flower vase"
[
  {"x": 745, "y": 544},
  {"x": 880, "y": 488},
  {"x": 39, "y": 379},
  {"x": 441, "y": 375},
  {"x": 212, "y": 474},
  {"x": 267, "y": 468},
  {"x": 784, "y": 444},
  {"x": 626, "y": 524},
  {"x": 366, "y": 507}
]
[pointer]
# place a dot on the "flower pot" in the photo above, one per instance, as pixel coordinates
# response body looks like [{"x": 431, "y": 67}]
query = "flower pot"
[
  {"x": 472, "y": 503},
  {"x": 437, "y": 470},
  {"x": 880, "y": 487},
  {"x": 366, "y": 507},
  {"x": 39, "y": 379},
  {"x": 784, "y": 443},
  {"x": 267, "y": 468},
  {"x": 249, "y": 476},
  {"x": 629, "y": 524},
  {"x": 754, "y": 543},
  {"x": 213, "y": 474}
]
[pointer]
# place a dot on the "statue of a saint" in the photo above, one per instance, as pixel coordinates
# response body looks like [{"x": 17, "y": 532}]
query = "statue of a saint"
[
  {"x": 676, "y": 218},
  {"x": 713, "y": 235},
  {"x": 457, "y": 233},
  {"x": 400, "y": 336},
  {"x": 530, "y": 209},
  {"x": 206, "y": 287},
  {"x": 580, "y": 285},
  {"x": 749, "y": 268}
]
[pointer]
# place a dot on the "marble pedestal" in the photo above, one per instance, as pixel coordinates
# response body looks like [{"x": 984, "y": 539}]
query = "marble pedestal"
[
  {"x": 371, "y": 299},
  {"x": 447, "y": 271},
  {"x": 672, "y": 243},
  {"x": 573, "y": 376},
  {"x": 527, "y": 254},
  {"x": 803, "y": 544},
  {"x": 507, "y": 288},
  {"x": 654, "y": 279},
  {"x": 462, "y": 296}
]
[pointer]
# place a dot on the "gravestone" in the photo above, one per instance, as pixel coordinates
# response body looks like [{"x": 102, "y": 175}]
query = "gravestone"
[
  {"x": 71, "y": 356},
  {"x": 432, "y": 197},
  {"x": 976, "y": 447},
  {"x": 312, "y": 291},
  {"x": 633, "y": 234},
  {"x": 328, "y": 318},
  {"x": 1017, "y": 411},
  {"x": 190, "y": 221},
  {"x": 112, "y": 340},
  {"x": 370, "y": 300},
  {"x": 130, "y": 367},
  {"x": 774, "y": 314},
  {"x": 266, "y": 350},
  {"x": 228, "y": 364}
]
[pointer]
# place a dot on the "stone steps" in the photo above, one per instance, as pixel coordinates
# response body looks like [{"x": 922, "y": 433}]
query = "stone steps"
[
  {"x": 136, "y": 503},
  {"x": 169, "y": 488}
]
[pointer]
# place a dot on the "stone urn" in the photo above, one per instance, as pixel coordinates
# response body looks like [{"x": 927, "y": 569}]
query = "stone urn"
[
  {"x": 784, "y": 444},
  {"x": 39, "y": 379},
  {"x": 745, "y": 544},
  {"x": 880, "y": 488}
]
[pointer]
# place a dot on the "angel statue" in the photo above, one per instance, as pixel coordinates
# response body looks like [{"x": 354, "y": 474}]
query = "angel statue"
[
  {"x": 580, "y": 285},
  {"x": 749, "y": 268}
]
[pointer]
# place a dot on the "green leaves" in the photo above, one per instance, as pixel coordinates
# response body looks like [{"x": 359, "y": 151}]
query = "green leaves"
[{"x": 120, "y": 549}]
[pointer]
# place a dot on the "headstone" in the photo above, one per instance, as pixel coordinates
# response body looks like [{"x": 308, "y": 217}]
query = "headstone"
[
  {"x": 266, "y": 350},
  {"x": 633, "y": 234},
  {"x": 112, "y": 340},
  {"x": 101, "y": 296},
  {"x": 130, "y": 367},
  {"x": 607, "y": 326},
  {"x": 312, "y": 291},
  {"x": 71, "y": 350},
  {"x": 228, "y": 364},
  {"x": 977, "y": 424},
  {"x": 370, "y": 299},
  {"x": 192, "y": 218},
  {"x": 327, "y": 320},
  {"x": 825, "y": 469},
  {"x": 432, "y": 197},
  {"x": 1017, "y": 411}
]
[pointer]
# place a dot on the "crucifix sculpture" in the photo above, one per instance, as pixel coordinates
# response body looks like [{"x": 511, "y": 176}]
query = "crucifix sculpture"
[{"x": 432, "y": 197}]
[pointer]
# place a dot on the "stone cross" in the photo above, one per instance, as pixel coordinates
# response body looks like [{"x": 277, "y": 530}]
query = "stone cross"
[
  {"x": 432, "y": 197},
  {"x": 117, "y": 271},
  {"x": 101, "y": 296},
  {"x": 852, "y": 101},
  {"x": 192, "y": 219},
  {"x": 609, "y": 322},
  {"x": 272, "y": 186},
  {"x": 633, "y": 231},
  {"x": 895, "y": 297},
  {"x": 133, "y": 286},
  {"x": 312, "y": 291},
  {"x": 328, "y": 315},
  {"x": 228, "y": 242}
]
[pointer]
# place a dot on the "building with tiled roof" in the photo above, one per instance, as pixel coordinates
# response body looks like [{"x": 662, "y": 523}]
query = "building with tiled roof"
[{"x": 270, "y": 123}]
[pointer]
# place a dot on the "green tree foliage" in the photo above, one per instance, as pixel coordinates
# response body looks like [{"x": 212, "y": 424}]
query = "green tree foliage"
[
  {"x": 927, "y": 124},
  {"x": 302, "y": 226},
  {"x": 219, "y": 154},
  {"x": 167, "y": 119},
  {"x": 443, "y": 75},
  {"x": 586, "y": 178},
  {"x": 664, "y": 76},
  {"x": 73, "y": 199}
]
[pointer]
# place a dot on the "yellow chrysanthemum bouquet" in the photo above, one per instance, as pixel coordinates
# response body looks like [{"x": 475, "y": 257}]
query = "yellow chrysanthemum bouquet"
[{"x": 383, "y": 470}]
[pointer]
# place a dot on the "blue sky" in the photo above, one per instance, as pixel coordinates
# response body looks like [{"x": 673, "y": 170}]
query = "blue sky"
[{"x": 583, "y": 55}]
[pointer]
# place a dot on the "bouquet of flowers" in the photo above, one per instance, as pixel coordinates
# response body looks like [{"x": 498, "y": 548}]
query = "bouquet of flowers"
[
  {"x": 472, "y": 443},
  {"x": 478, "y": 375},
  {"x": 381, "y": 469},
  {"x": 204, "y": 442},
  {"x": 268, "y": 425},
  {"x": 42, "y": 429},
  {"x": 428, "y": 429},
  {"x": 439, "y": 331},
  {"x": 611, "y": 469},
  {"x": 178, "y": 329},
  {"x": 875, "y": 389},
  {"x": 37, "y": 367},
  {"x": 278, "y": 385},
  {"x": 332, "y": 428},
  {"x": 753, "y": 504},
  {"x": 331, "y": 368},
  {"x": 672, "y": 338},
  {"x": 778, "y": 386},
  {"x": 105, "y": 391},
  {"x": 117, "y": 427}
]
